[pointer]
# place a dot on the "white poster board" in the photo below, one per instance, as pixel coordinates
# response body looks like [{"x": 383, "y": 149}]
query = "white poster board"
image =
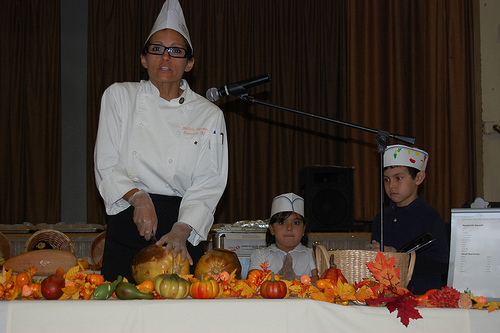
[{"x": 475, "y": 251}]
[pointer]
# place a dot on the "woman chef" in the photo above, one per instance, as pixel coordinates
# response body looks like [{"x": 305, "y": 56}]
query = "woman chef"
[{"x": 160, "y": 154}]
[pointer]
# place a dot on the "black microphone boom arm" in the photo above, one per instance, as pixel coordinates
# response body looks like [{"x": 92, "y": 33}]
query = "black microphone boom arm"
[{"x": 381, "y": 139}]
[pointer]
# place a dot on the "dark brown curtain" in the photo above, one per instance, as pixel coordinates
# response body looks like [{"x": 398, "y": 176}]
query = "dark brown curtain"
[
  {"x": 117, "y": 31},
  {"x": 301, "y": 46},
  {"x": 408, "y": 70},
  {"x": 403, "y": 66},
  {"x": 411, "y": 73},
  {"x": 30, "y": 105}
]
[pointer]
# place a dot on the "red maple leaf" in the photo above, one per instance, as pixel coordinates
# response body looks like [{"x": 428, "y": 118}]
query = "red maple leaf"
[
  {"x": 395, "y": 298},
  {"x": 406, "y": 308},
  {"x": 380, "y": 300}
]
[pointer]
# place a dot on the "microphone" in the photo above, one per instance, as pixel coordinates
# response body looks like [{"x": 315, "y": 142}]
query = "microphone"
[{"x": 237, "y": 88}]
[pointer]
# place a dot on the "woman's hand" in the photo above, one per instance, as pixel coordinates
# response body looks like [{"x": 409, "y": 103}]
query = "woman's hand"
[
  {"x": 144, "y": 213},
  {"x": 176, "y": 241}
]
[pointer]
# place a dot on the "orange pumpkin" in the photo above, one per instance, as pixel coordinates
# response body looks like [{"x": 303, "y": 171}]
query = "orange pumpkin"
[
  {"x": 216, "y": 261},
  {"x": 96, "y": 279},
  {"x": 255, "y": 277},
  {"x": 152, "y": 261},
  {"x": 204, "y": 289},
  {"x": 273, "y": 288}
]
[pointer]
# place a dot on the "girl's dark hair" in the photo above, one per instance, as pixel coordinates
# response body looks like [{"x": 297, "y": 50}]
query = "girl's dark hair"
[{"x": 281, "y": 216}]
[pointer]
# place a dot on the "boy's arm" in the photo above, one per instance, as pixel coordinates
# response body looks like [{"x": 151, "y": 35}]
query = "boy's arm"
[{"x": 375, "y": 246}]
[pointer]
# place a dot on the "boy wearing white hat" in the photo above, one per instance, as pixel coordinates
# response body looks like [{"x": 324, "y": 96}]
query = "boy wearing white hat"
[
  {"x": 408, "y": 216},
  {"x": 161, "y": 154},
  {"x": 286, "y": 237}
]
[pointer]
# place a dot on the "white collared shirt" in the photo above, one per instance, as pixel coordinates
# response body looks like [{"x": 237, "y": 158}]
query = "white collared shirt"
[
  {"x": 302, "y": 257},
  {"x": 175, "y": 148}
]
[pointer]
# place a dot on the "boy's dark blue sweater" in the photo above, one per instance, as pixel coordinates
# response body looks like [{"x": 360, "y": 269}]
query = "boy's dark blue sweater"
[{"x": 404, "y": 224}]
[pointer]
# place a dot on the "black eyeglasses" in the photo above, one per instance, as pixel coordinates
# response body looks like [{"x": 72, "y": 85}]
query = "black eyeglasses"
[{"x": 174, "y": 52}]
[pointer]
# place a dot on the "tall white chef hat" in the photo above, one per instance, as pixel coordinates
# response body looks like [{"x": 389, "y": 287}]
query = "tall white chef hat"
[
  {"x": 171, "y": 17},
  {"x": 399, "y": 155},
  {"x": 289, "y": 202}
]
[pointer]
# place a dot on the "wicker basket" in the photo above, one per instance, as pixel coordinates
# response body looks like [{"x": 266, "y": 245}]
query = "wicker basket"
[
  {"x": 352, "y": 263},
  {"x": 5, "y": 247},
  {"x": 97, "y": 247},
  {"x": 56, "y": 239}
]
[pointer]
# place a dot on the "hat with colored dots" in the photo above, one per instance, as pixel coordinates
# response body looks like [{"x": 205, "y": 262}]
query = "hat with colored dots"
[{"x": 399, "y": 155}]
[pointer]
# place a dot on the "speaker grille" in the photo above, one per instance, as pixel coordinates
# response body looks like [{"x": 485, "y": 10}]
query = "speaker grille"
[
  {"x": 328, "y": 196},
  {"x": 330, "y": 207}
]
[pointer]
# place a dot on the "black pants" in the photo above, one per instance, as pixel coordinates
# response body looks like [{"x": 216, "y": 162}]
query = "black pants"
[{"x": 123, "y": 241}]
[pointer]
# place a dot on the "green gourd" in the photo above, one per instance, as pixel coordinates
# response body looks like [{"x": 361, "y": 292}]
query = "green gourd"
[
  {"x": 105, "y": 290},
  {"x": 126, "y": 290}
]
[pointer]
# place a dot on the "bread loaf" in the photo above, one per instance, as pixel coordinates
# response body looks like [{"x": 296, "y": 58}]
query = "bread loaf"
[{"x": 45, "y": 261}]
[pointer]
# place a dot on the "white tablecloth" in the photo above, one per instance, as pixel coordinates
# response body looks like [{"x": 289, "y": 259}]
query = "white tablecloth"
[{"x": 229, "y": 315}]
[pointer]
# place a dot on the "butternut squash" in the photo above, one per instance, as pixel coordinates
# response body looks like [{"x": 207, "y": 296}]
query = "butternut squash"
[{"x": 45, "y": 261}]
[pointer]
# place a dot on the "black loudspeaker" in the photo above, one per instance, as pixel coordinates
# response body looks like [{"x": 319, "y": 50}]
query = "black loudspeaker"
[{"x": 328, "y": 195}]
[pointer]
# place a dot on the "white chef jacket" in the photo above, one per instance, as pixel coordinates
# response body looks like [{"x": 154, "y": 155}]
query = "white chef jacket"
[
  {"x": 174, "y": 148},
  {"x": 302, "y": 257}
]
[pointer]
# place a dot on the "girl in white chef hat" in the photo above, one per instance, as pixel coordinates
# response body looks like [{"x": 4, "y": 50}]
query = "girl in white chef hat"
[{"x": 286, "y": 253}]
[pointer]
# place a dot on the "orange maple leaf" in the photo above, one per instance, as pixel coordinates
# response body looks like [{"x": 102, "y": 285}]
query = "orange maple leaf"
[
  {"x": 329, "y": 295},
  {"x": 491, "y": 306},
  {"x": 70, "y": 292},
  {"x": 384, "y": 270},
  {"x": 242, "y": 289},
  {"x": 364, "y": 293},
  {"x": 302, "y": 290},
  {"x": 6, "y": 276},
  {"x": 322, "y": 296}
]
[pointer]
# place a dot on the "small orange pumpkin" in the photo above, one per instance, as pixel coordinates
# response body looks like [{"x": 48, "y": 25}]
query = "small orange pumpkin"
[
  {"x": 273, "y": 288},
  {"x": 96, "y": 279},
  {"x": 255, "y": 277},
  {"x": 204, "y": 289}
]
